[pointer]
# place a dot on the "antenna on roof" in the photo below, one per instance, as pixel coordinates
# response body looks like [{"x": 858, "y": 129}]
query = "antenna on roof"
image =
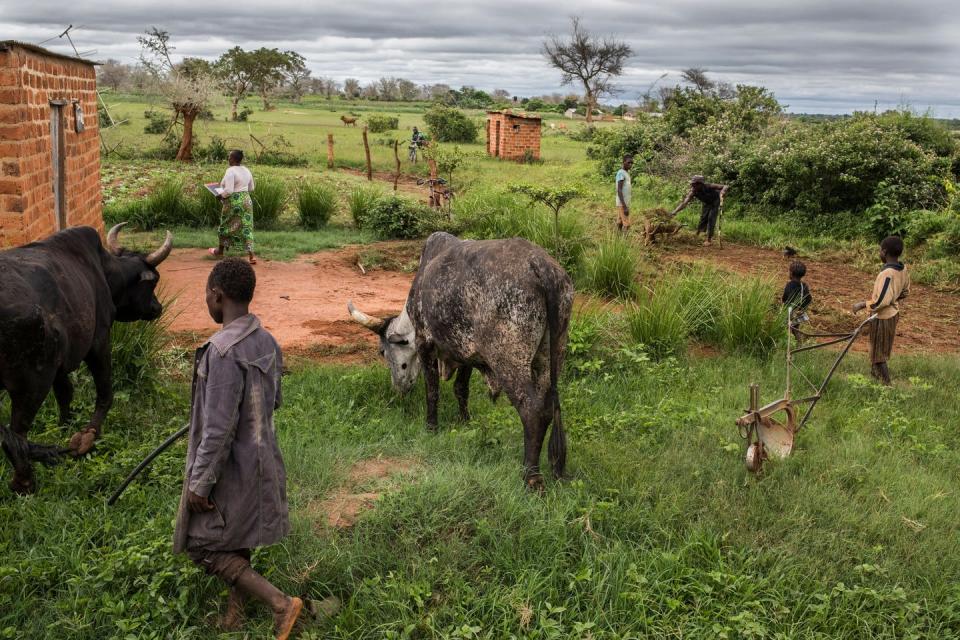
[{"x": 113, "y": 123}]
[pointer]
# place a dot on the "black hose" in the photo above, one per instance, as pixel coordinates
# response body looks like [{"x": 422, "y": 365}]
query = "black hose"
[{"x": 146, "y": 461}]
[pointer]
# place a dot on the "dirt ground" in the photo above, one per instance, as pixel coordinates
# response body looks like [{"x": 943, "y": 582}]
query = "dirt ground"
[
  {"x": 366, "y": 482},
  {"x": 929, "y": 321},
  {"x": 302, "y": 303}
]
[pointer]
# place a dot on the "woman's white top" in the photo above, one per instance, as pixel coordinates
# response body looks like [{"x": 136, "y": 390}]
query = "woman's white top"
[{"x": 237, "y": 179}]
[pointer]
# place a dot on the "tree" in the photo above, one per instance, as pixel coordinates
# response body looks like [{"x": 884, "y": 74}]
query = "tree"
[
  {"x": 697, "y": 77},
  {"x": 270, "y": 69},
  {"x": 387, "y": 89},
  {"x": 113, "y": 74},
  {"x": 591, "y": 60},
  {"x": 501, "y": 95},
  {"x": 407, "y": 89},
  {"x": 296, "y": 75},
  {"x": 187, "y": 87},
  {"x": 235, "y": 69},
  {"x": 351, "y": 88}
]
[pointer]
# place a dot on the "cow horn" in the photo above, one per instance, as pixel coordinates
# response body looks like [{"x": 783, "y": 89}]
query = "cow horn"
[
  {"x": 112, "y": 244},
  {"x": 374, "y": 324},
  {"x": 161, "y": 254}
]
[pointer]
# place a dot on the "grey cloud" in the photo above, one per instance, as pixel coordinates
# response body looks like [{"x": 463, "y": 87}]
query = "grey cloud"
[{"x": 815, "y": 55}]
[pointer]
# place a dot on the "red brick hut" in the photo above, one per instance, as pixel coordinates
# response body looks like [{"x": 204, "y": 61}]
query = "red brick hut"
[
  {"x": 49, "y": 147},
  {"x": 513, "y": 136}
]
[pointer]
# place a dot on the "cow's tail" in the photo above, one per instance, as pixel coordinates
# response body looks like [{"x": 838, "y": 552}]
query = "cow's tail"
[{"x": 557, "y": 449}]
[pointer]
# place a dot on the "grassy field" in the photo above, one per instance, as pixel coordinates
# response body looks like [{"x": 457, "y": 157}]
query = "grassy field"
[{"x": 659, "y": 532}]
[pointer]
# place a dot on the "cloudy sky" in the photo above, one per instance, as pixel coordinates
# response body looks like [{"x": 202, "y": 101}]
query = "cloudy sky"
[{"x": 828, "y": 56}]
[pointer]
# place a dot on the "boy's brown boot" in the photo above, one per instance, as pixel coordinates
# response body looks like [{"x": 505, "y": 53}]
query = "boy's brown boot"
[{"x": 286, "y": 610}]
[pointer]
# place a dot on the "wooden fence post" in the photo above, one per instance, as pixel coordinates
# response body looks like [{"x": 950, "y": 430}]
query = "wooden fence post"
[
  {"x": 329, "y": 151},
  {"x": 366, "y": 149},
  {"x": 396, "y": 156}
]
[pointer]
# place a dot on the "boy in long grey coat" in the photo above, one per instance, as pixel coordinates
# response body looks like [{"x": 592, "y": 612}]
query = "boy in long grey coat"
[{"x": 234, "y": 492}]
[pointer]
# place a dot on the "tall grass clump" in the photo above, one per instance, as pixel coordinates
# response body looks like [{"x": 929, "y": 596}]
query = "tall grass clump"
[
  {"x": 269, "y": 201},
  {"x": 749, "y": 320},
  {"x": 658, "y": 323},
  {"x": 207, "y": 209},
  {"x": 361, "y": 201},
  {"x": 395, "y": 218},
  {"x": 137, "y": 348},
  {"x": 316, "y": 203},
  {"x": 611, "y": 268},
  {"x": 166, "y": 205}
]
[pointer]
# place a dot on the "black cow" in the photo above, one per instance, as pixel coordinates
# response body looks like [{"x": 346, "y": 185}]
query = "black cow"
[
  {"x": 499, "y": 306},
  {"x": 58, "y": 299}
]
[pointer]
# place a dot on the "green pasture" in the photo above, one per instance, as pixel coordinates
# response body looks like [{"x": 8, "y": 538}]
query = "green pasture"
[{"x": 659, "y": 532}]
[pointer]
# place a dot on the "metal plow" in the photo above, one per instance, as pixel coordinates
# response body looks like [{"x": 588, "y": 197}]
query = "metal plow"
[{"x": 770, "y": 430}]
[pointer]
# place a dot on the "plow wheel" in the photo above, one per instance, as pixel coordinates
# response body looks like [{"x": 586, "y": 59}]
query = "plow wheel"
[{"x": 769, "y": 431}]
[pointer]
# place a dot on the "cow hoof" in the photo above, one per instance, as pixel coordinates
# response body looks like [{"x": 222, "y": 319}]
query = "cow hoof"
[
  {"x": 82, "y": 442},
  {"x": 22, "y": 486},
  {"x": 45, "y": 454},
  {"x": 535, "y": 484}
]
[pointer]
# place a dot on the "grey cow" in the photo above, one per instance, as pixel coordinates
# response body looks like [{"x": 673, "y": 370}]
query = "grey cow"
[{"x": 501, "y": 307}]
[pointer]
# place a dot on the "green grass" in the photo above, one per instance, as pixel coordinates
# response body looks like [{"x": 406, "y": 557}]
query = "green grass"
[
  {"x": 659, "y": 533},
  {"x": 611, "y": 268}
]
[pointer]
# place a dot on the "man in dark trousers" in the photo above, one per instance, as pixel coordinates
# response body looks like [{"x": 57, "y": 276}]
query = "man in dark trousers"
[
  {"x": 711, "y": 195},
  {"x": 234, "y": 494}
]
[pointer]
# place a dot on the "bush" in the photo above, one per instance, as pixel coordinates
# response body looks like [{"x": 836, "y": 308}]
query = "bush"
[
  {"x": 379, "y": 123},
  {"x": 612, "y": 268},
  {"x": 207, "y": 208},
  {"x": 157, "y": 122},
  {"x": 923, "y": 225},
  {"x": 393, "y": 217},
  {"x": 244, "y": 114},
  {"x": 316, "y": 203},
  {"x": 748, "y": 320},
  {"x": 447, "y": 124},
  {"x": 269, "y": 200},
  {"x": 214, "y": 153},
  {"x": 361, "y": 201}
]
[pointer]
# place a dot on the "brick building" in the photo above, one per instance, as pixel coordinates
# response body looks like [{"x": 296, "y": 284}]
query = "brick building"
[
  {"x": 49, "y": 147},
  {"x": 513, "y": 136}
]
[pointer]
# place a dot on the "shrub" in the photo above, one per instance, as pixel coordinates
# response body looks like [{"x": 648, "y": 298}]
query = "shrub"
[
  {"x": 244, "y": 114},
  {"x": 157, "y": 122},
  {"x": 269, "y": 200},
  {"x": 316, "y": 203},
  {"x": 379, "y": 123},
  {"x": 923, "y": 225},
  {"x": 947, "y": 242},
  {"x": 447, "y": 124},
  {"x": 214, "y": 153},
  {"x": 748, "y": 321},
  {"x": 206, "y": 208},
  {"x": 361, "y": 201},
  {"x": 612, "y": 267},
  {"x": 393, "y": 217}
]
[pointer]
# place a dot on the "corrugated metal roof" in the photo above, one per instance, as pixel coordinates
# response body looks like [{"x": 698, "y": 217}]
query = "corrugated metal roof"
[{"x": 6, "y": 45}]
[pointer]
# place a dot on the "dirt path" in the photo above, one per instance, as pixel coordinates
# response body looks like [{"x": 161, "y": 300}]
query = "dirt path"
[
  {"x": 302, "y": 303},
  {"x": 930, "y": 320}
]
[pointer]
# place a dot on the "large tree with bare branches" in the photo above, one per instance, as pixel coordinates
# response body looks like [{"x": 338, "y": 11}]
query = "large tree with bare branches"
[
  {"x": 188, "y": 87},
  {"x": 593, "y": 61}
]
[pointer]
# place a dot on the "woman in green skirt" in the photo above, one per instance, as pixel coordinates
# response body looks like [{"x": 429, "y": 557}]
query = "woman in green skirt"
[{"x": 236, "y": 218}]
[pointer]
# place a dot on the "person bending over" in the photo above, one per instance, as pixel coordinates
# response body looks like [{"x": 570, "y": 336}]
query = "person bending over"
[{"x": 711, "y": 195}]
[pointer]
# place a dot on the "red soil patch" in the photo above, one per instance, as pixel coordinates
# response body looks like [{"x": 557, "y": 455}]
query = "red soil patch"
[
  {"x": 929, "y": 320},
  {"x": 302, "y": 303},
  {"x": 342, "y": 509}
]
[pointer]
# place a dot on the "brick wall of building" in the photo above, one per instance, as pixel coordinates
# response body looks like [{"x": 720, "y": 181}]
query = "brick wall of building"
[
  {"x": 29, "y": 81},
  {"x": 516, "y": 138}
]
